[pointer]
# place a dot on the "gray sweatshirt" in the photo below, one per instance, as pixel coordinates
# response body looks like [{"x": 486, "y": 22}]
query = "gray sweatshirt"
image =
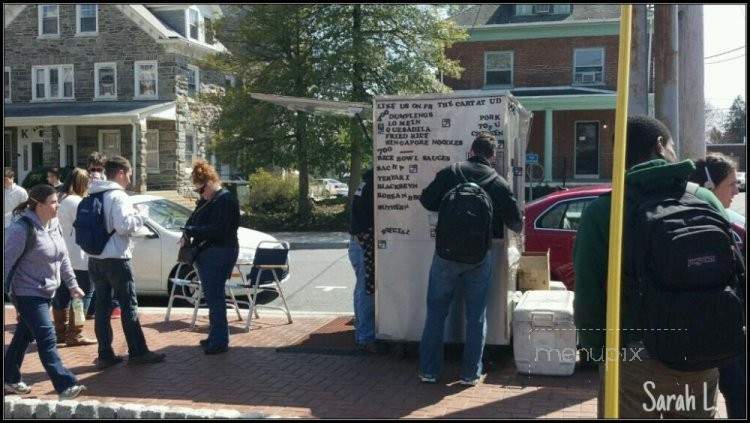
[{"x": 39, "y": 273}]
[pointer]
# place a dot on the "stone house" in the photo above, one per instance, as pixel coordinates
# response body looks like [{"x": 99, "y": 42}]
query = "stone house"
[
  {"x": 121, "y": 79},
  {"x": 560, "y": 60}
]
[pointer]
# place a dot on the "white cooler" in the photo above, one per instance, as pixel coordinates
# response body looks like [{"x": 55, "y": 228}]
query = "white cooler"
[{"x": 544, "y": 336}]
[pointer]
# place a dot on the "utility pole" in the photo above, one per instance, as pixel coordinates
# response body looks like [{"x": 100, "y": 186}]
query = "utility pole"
[
  {"x": 666, "y": 69},
  {"x": 692, "y": 116},
  {"x": 638, "y": 95}
]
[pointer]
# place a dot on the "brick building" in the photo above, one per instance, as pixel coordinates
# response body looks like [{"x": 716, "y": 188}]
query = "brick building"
[
  {"x": 122, "y": 79},
  {"x": 560, "y": 61}
]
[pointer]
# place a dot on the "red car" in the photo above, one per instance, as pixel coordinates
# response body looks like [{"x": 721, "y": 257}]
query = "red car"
[{"x": 552, "y": 222}]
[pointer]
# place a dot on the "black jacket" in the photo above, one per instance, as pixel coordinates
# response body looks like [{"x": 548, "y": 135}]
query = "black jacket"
[
  {"x": 363, "y": 216},
  {"x": 217, "y": 222},
  {"x": 505, "y": 208}
]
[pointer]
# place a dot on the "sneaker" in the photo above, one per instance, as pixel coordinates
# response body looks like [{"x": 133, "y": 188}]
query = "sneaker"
[
  {"x": 116, "y": 313},
  {"x": 19, "y": 388},
  {"x": 72, "y": 392},
  {"x": 427, "y": 379},
  {"x": 148, "y": 358},
  {"x": 103, "y": 363},
  {"x": 472, "y": 382}
]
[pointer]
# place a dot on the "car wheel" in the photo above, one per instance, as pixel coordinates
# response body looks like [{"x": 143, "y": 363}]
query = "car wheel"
[{"x": 186, "y": 272}]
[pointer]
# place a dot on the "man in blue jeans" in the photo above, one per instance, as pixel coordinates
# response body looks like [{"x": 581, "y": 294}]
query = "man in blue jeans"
[
  {"x": 475, "y": 279},
  {"x": 112, "y": 271},
  {"x": 360, "y": 255}
]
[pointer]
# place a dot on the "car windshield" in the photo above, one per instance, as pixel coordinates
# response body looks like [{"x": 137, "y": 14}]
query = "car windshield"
[{"x": 167, "y": 214}]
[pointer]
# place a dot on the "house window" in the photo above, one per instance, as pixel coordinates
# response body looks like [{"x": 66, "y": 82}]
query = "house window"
[
  {"x": 70, "y": 155},
  {"x": 208, "y": 30},
  {"x": 52, "y": 82},
  {"x": 193, "y": 78},
  {"x": 110, "y": 142},
  {"x": 152, "y": 151},
  {"x": 106, "y": 80},
  {"x": 561, "y": 9},
  {"x": 587, "y": 149},
  {"x": 49, "y": 20},
  {"x": 524, "y": 9},
  {"x": 86, "y": 19},
  {"x": 146, "y": 79},
  {"x": 498, "y": 68},
  {"x": 193, "y": 24},
  {"x": 542, "y": 8},
  {"x": 6, "y": 83},
  {"x": 189, "y": 148},
  {"x": 589, "y": 66}
]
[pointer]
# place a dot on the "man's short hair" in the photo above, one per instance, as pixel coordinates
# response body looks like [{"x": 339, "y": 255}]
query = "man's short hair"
[
  {"x": 8, "y": 172},
  {"x": 115, "y": 164},
  {"x": 643, "y": 137},
  {"x": 55, "y": 171},
  {"x": 484, "y": 145},
  {"x": 96, "y": 159}
]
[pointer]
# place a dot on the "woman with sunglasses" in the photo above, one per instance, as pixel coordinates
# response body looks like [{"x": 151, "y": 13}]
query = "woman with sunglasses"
[
  {"x": 719, "y": 174},
  {"x": 213, "y": 228},
  {"x": 36, "y": 258}
]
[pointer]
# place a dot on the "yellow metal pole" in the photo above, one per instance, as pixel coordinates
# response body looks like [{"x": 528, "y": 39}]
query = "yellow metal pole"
[{"x": 612, "y": 364}]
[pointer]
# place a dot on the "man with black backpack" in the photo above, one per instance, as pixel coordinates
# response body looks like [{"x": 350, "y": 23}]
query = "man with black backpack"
[
  {"x": 682, "y": 306},
  {"x": 474, "y": 205}
]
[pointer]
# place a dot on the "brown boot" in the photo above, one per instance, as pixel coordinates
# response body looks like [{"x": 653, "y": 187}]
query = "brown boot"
[
  {"x": 61, "y": 320},
  {"x": 74, "y": 337}
]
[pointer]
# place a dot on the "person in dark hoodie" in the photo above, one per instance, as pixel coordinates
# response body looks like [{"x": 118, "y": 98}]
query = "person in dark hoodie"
[
  {"x": 361, "y": 255},
  {"x": 652, "y": 169},
  {"x": 446, "y": 274},
  {"x": 213, "y": 228},
  {"x": 36, "y": 259}
]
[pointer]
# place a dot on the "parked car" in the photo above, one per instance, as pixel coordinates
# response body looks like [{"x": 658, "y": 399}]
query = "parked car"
[
  {"x": 741, "y": 181},
  {"x": 336, "y": 187},
  {"x": 155, "y": 247},
  {"x": 552, "y": 222}
]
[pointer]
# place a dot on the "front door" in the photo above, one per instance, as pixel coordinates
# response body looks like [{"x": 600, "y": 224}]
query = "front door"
[
  {"x": 587, "y": 150},
  {"x": 32, "y": 156}
]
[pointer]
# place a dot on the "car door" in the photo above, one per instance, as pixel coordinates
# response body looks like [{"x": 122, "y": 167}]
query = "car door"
[
  {"x": 557, "y": 227},
  {"x": 147, "y": 260}
]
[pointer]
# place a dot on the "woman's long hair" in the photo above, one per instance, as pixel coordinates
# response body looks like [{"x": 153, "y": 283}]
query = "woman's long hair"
[{"x": 37, "y": 195}]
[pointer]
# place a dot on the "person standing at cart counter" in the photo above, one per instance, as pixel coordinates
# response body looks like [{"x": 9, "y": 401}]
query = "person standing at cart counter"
[
  {"x": 361, "y": 255},
  {"x": 474, "y": 205}
]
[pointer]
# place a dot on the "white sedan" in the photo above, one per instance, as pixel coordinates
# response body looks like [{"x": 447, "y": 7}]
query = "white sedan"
[
  {"x": 155, "y": 247},
  {"x": 336, "y": 187}
]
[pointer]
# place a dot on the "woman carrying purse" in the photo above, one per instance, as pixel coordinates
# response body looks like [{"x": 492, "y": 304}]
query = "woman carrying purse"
[{"x": 211, "y": 234}]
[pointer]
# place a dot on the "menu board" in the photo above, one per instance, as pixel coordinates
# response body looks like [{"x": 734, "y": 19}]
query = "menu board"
[{"x": 415, "y": 138}]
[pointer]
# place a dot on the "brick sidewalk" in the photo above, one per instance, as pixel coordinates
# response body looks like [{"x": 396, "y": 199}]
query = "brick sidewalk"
[{"x": 253, "y": 377}]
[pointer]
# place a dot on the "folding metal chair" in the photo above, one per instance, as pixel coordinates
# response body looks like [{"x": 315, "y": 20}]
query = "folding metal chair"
[
  {"x": 270, "y": 269},
  {"x": 192, "y": 280}
]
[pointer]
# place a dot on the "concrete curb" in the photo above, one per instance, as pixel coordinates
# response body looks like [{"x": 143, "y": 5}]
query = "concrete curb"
[{"x": 15, "y": 407}]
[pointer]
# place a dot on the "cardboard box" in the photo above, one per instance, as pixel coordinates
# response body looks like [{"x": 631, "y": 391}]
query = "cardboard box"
[{"x": 533, "y": 271}]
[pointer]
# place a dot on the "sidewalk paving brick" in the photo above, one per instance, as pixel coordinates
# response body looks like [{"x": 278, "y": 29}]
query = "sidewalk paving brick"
[{"x": 253, "y": 378}]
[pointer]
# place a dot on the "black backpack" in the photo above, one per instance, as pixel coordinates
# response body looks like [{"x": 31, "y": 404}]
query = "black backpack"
[
  {"x": 687, "y": 276},
  {"x": 464, "y": 228}
]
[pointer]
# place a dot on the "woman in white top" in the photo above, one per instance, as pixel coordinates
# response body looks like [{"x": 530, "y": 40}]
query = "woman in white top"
[{"x": 67, "y": 331}]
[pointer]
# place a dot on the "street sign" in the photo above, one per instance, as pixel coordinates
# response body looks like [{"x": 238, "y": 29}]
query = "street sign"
[{"x": 532, "y": 158}]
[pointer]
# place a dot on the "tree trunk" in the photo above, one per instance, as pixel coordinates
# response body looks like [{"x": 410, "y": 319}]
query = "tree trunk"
[
  {"x": 666, "y": 67},
  {"x": 691, "y": 98},
  {"x": 300, "y": 132},
  {"x": 358, "y": 94}
]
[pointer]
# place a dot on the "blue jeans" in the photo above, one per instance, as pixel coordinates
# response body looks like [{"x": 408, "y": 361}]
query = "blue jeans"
[
  {"x": 445, "y": 276},
  {"x": 364, "y": 303},
  {"x": 214, "y": 266},
  {"x": 116, "y": 275},
  {"x": 62, "y": 295},
  {"x": 34, "y": 323},
  {"x": 733, "y": 386}
]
